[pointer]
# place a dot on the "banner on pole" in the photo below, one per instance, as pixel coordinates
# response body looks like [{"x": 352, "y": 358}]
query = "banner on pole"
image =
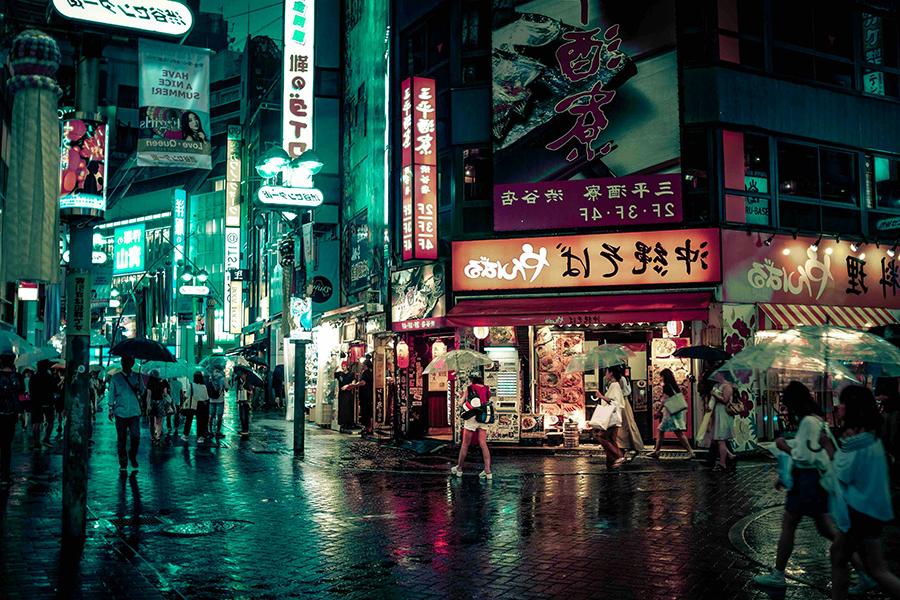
[{"x": 174, "y": 106}]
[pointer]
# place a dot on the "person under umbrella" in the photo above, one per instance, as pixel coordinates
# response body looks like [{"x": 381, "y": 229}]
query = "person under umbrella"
[
  {"x": 158, "y": 399},
  {"x": 125, "y": 407}
]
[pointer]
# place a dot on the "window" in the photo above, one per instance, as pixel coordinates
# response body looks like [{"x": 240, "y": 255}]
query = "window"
[
  {"x": 477, "y": 174},
  {"x": 746, "y": 166},
  {"x": 740, "y": 32},
  {"x": 884, "y": 178},
  {"x": 798, "y": 170}
]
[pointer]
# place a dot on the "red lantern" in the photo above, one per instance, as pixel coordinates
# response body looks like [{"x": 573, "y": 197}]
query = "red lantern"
[{"x": 402, "y": 354}]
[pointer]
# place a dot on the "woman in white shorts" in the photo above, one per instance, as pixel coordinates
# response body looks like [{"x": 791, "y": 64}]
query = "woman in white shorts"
[{"x": 477, "y": 395}]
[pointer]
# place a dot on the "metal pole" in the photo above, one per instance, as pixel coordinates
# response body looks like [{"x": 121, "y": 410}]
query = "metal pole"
[
  {"x": 78, "y": 340},
  {"x": 299, "y": 356}
]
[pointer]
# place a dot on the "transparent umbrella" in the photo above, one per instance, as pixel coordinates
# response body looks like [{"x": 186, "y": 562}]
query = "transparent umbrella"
[
  {"x": 31, "y": 359},
  {"x": 458, "y": 360},
  {"x": 18, "y": 343},
  {"x": 599, "y": 357},
  {"x": 179, "y": 368}
]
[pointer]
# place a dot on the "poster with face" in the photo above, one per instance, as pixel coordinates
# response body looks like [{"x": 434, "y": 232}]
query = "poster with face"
[{"x": 82, "y": 166}]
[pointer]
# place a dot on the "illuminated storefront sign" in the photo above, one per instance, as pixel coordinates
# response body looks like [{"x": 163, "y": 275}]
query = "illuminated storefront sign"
[
  {"x": 419, "y": 169},
  {"x": 193, "y": 290},
  {"x": 808, "y": 271},
  {"x": 129, "y": 249},
  {"x": 285, "y": 196},
  {"x": 232, "y": 261},
  {"x": 299, "y": 74},
  {"x": 158, "y": 16},
  {"x": 82, "y": 168},
  {"x": 674, "y": 257},
  {"x": 233, "y": 177}
]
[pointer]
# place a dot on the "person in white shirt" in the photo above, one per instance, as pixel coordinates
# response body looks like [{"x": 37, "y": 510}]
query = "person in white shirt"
[{"x": 195, "y": 394}]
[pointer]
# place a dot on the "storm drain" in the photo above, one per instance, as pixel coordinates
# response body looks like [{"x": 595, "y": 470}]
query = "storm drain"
[{"x": 198, "y": 528}]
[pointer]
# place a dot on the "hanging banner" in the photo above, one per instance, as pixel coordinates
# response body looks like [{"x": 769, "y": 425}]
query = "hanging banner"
[
  {"x": 82, "y": 168},
  {"x": 298, "y": 76},
  {"x": 174, "y": 126},
  {"x": 233, "y": 177},
  {"x": 233, "y": 321},
  {"x": 418, "y": 175}
]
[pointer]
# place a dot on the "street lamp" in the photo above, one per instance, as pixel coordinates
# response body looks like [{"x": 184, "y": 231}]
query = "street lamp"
[
  {"x": 188, "y": 274},
  {"x": 202, "y": 276},
  {"x": 272, "y": 161}
]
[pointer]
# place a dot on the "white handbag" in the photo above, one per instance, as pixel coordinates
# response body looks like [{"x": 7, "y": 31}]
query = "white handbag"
[
  {"x": 606, "y": 415},
  {"x": 675, "y": 404}
]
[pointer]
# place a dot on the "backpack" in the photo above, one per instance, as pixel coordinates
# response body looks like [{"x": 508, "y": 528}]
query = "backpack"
[
  {"x": 10, "y": 388},
  {"x": 481, "y": 409}
]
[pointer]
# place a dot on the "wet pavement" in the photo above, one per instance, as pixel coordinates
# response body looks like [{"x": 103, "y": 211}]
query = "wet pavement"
[{"x": 359, "y": 520}]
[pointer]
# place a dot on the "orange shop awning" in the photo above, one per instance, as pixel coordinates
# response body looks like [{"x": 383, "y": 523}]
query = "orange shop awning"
[
  {"x": 787, "y": 316},
  {"x": 575, "y": 310}
]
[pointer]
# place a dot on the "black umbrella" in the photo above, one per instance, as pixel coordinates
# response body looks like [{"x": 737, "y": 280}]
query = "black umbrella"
[
  {"x": 707, "y": 353},
  {"x": 252, "y": 378},
  {"x": 142, "y": 349},
  {"x": 257, "y": 361}
]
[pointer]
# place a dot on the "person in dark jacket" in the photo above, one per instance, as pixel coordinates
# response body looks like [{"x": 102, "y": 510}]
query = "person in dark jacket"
[
  {"x": 11, "y": 387},
  {"x": 42, "y": 386}
]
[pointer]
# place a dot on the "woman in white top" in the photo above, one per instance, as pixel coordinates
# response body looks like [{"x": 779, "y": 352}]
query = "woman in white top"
[
  {"x": 195, "y": 395},
  {"x": 676, "y": 423},
  {"x": 607, "y": 437},
  {"x": 722, "y": 429},
  {"x": 628, "y": 437},
  {"x": 810, "y": 450}
]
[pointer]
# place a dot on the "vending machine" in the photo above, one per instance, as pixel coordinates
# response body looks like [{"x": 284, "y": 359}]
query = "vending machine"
[{"x": 505, "y": 382}]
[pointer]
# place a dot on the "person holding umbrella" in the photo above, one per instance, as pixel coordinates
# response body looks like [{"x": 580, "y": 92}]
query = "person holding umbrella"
[
  {"x": 243, "y": 401},
  {"x": 125, "y": 407}
]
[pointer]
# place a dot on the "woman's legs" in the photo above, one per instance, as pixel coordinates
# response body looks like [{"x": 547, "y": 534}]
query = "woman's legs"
[
  {"x": 464, "y": 447},
  {"x": 485, "y": 453},
  {"x": 607, "y": 440},
  {"x": 841, "y": 549},
  {"x": 876, "y": 568},
  {"x": 659, "y": 439},
  {"x": 682, "y": 437},
  {"x": 724, "y": 454},
  {"x": 786, "y": 540}
]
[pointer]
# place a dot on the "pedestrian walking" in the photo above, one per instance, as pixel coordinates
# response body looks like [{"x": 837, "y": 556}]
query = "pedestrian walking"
[
  {"x": 158, "y": 400},
  {"x": 810, "y": 450},
  {"x": 722, "y": 426},
  {"x": 887, "y": 394},
  {"x": 42, "y": 387},
  {"x": 364, "y": 390},
  {"x": 477, "y": 397},
  {"x": 628, "y": 437},
  {"x": 10, "y": 387},
  {"x": 125, "y": 401},
  {"x": 176, "y": 392},
  {"x": 863, "y": 494},
  {"x": 195, "y": 394},
  {"x": 606, "y": 420},
  {"x": 346, "y": 411},
  {"x": 59, "y": 403},
  {"x": 243, "y": 402},
  {"x": 672, "y": 411},
  {"x": 215, "y": 388},
  {"x": 25, "y": 399}
]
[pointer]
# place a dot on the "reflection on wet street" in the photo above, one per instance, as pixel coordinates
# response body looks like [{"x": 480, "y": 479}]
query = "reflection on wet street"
[{"x": 354, "y": 520}]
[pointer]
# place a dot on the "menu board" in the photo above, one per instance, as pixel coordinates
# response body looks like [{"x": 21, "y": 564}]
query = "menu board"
[{"x": 560, "y": 394}]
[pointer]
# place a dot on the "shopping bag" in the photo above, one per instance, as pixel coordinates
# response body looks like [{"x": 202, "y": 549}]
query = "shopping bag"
[
  {"x": 605, "y": 415},
  {"x": 704, "y": 425},
  {"x": 675, "y": 404}
]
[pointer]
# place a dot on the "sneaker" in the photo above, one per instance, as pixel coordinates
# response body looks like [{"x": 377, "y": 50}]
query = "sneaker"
[
  {"x": 863, "y": 585},
  {"x": 486, "y": 475},
  {"x": 456, "y": 471},
  {"x": 200, "y": 440},
  {"x": 773, "y": 579},
  {"x": 184, "y": 438}
]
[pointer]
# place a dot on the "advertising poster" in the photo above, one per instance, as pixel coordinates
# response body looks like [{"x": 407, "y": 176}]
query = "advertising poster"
[
  {"x": 360, "y": 258},
  {"x": 174, "y": 126},
  {"x": 82, "y": 167},
  {"x": 584, "y": 90},
  {"x": 323, "y": 287},
  {"x": 418, "y": 298},
  {"x": 560, "y": 394},
  {"x": 129, "y": 249}
]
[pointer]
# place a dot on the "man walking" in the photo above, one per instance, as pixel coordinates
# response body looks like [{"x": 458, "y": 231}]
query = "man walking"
[
  {"x": 124, "y": 401},
  {"x": 10, "y": 388}
]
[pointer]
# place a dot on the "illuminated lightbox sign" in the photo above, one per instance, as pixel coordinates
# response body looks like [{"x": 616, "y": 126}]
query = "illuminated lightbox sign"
[
  {"x": 298, "y": 76},
  {"x": 157, "y": 16},
  {"x": 128, "y": 249},
  {"x": 418, "y": 176},
  {"x": 194, "y": 290},
  {"x": 285, "y": 196},
  {"x": 82, "y": 168}
]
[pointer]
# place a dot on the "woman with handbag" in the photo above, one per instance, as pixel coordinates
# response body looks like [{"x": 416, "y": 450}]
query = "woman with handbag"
[
  {"x": 157, "y": 401},
  {"x": 478, "y": 396},
  {"x": 671, "y": 410},
  {"x": 195, "y": 395},
  {"x": 722, "y": 427},
  {"x": 606, "y": 420}
]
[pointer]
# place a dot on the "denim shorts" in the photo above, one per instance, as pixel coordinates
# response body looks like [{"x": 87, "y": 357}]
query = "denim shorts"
[{"x": 806, "y": 498}]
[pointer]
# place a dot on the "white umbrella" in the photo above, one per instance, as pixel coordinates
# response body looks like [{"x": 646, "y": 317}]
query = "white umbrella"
[
  {"x": 458, "y": 360},
  {"x": 167, "y": 370},
  {"x": 19, "y": 344},
  {"x": 599, "y": 357},
  {"x": 31, "y": 359}
]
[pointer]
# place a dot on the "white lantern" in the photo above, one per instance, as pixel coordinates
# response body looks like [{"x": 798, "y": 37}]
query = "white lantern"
[
  {"x": 481, "y": 332},
  {"x": 438, "y": 348}
]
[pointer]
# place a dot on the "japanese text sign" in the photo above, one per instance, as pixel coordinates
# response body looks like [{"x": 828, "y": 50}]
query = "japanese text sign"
[
  {"x": 791, "y": 271},
  {"x": 418, "y": 150},
  {"x": 360, "y": 258},
  {"x": 128, "y": 249},
  {"x": 299, "y": 75},
  {"x": 232, "y": 261},
  {"x": 233, "y": 177},
  {"x": 609, "y": 202},
  {"x": 78, "y": 313},
  {"x": 157, "y": 16},
  {"x": 646, "y": 258}
]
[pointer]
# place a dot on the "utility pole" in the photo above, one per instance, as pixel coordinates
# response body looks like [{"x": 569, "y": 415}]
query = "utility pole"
[
  {"x": 299, "y": 360},
  {"x": 78, "y": 338}
]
